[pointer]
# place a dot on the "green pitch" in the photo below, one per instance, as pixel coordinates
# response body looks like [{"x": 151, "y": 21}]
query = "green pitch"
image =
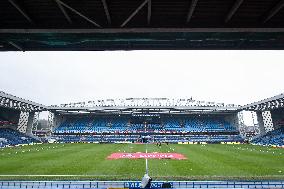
[{"x": 88, "y": 162}]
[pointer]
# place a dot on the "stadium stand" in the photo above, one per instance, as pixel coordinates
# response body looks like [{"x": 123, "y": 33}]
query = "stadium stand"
[
  {"x": 10, "y": 137},
  {"x": 208, "y": 125},
  {"x": 4, "y": 122},
  {"x": 123, "y": 124},
  {"x": 119, "y": 138},
  {"x": 275, "y": 137},
  {"x": 129, "y": 129}
]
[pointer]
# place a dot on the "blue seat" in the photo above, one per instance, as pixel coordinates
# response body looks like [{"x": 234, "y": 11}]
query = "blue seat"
[
  {"x": 10, "y": 137},
  {"x": 275, "y": 137}
]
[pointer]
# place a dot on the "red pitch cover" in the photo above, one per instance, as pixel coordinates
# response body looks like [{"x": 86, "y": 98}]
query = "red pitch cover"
[{"x": 139, "y": 155}]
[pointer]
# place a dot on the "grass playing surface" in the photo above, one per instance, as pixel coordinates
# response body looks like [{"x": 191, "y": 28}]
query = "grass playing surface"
[{"x": 88, "y": 162}]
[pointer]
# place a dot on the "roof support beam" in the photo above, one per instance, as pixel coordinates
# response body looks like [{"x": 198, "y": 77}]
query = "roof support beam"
[
  {"x": 79, "y": 14},
  {"x": 134, "y": 13},
  {"x": 5, "y": 98},
  {"x": 149, "y": 12},
  {"x": 274, "y": 11},
  {"x": 263, "y": 102},
  {"x": 191, "y": 10},
  {"x": 16, "y": 46},
  {"x": 64, "y": 12},
  {"x": 233, "y": 10},
  {"x": 106, "y": 11},
  {"x": 21, "y": 10},
  {"x": 143, "y": 30}
]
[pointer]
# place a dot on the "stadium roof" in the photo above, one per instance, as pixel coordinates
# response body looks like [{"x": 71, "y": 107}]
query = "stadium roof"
[
  {"x": 140, "y": 24},
  {"x": 144, "y": 110},
  {"x": 144, "y": 105},
  {"x": 140, "y": 105},
  {"x": 13, "y": 102},
  {"x": 120, "y": 106},
  {"x": 266, "y": 104}
]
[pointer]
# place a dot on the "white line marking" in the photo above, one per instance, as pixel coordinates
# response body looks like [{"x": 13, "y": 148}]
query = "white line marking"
[{"x": 56, "y": 175}]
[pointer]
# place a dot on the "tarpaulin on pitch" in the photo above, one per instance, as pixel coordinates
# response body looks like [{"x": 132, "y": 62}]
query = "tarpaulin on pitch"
[{"x": 140, "y": 155}]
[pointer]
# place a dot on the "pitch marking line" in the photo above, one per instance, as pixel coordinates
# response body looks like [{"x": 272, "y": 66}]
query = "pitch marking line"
[{"x": 56, "y": 175}]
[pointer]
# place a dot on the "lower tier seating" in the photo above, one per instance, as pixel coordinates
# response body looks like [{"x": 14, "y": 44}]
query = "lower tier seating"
[
  {"x": 10, "y": 137},
  {"x": 275, "y": 137},
  {"x": 112, "y": 138}
]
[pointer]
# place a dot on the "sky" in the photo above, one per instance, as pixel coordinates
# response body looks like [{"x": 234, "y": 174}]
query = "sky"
[{"x": 49, "y": 78}]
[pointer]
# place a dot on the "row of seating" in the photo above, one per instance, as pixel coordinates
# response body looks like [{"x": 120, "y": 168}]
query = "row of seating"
[
  {"x": 154, "y": 138},
  {"x": 275, "y": 137},
  {"x": 200, "y": 138},
  {"x": 10, "y": 137},
  {"x": 124, "y": 125}
]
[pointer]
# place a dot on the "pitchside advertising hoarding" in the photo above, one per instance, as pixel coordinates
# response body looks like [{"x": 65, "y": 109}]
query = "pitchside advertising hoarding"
[
  {"x": 138, "y": 184},
  {"x": 145, "y": 115}
]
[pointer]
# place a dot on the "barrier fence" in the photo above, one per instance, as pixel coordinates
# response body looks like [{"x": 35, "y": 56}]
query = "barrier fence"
[{"x": 136, "y": 184}]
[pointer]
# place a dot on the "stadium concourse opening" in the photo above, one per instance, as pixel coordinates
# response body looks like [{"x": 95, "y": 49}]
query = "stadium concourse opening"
[{"x": 176, "y": 140}]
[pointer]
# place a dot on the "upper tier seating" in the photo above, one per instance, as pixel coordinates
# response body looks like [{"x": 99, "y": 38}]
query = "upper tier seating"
[
  {"x": 207, "y": 125},
  {"x": 125, "y": 125}
]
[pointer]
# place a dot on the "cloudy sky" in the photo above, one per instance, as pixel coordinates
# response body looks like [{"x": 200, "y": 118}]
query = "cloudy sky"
[{"x": 238, "y": 77}]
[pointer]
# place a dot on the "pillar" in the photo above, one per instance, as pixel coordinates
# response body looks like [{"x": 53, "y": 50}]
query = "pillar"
[
  {"x": 260, "y": 123},
  {"x": 30, "y": 123}
]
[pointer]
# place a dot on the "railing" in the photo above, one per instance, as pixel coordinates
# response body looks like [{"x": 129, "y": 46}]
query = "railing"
[{"x": 136, "y": 184}]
